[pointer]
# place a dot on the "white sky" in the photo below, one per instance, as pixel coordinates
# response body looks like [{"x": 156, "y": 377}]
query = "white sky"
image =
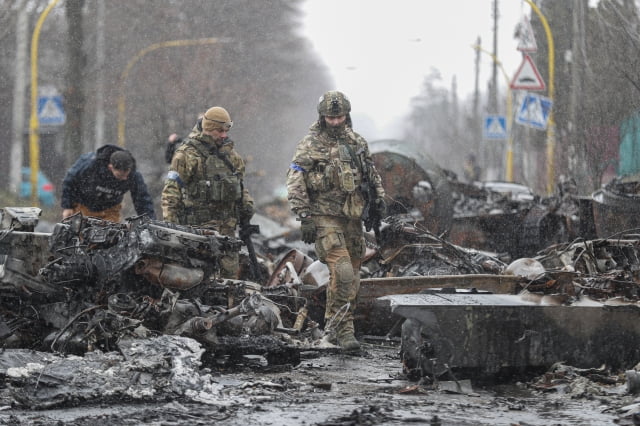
[{"x": 380, "y": 51}]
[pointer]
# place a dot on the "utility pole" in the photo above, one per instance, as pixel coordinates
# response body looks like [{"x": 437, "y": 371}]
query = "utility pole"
[
  {"x": 455, "y": 111},
  {"x": 493, "y": 162},
  {"x": 19, "y": 92},
  {"x": 74, "y": 94},
  {"x": 477, "y": 127},
  {"x": 493, "y": 105},
  {"x": 476, "y": 91},
  {"x": 576, "y": 160},
  {"x": 100, "y": 59}
]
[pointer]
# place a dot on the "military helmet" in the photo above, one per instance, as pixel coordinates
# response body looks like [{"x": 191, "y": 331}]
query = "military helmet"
[{"x": 334, "y": 104}]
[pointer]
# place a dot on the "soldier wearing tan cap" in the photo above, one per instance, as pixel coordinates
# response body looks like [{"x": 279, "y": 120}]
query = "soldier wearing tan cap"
[{"x": 204, "y": 186}]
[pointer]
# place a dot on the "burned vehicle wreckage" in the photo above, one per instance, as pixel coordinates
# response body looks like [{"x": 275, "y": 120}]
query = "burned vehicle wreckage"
[
  {"x": 504, "y": 218},
  {"x": 91, "y": 282},
  {"x": 465, "y": 311},
  {"x": 557, "y": 287}
]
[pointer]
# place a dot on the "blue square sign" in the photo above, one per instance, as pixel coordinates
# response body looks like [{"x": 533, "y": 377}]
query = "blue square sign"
[
  {"x": 534, "y": 111},
  {"x": 495, "y": 127},
  {"x": 50, "y": 110}
]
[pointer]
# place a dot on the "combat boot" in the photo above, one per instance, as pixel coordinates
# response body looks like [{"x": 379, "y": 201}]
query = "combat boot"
[{"x": 346, "y": 338}]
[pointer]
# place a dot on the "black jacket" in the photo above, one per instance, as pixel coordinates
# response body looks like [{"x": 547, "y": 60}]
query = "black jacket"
[{"x": 90, "y": 182}]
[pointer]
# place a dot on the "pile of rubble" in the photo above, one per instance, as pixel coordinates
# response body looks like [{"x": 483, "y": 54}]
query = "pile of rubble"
[{"x": 92, "y": 296}]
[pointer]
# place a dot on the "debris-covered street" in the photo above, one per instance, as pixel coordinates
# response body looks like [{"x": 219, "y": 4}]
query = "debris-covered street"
[
  {"x": 117, "y": 324},
  {"x": 325, "y": 388}
]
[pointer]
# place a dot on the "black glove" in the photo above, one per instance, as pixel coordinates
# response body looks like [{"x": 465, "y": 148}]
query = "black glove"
[
  {"x": 308, "y": 229},
  {"x": 381, "y": 207}
]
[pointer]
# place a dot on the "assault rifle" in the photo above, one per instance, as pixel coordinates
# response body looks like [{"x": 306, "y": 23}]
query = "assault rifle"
[
  {"x": 246, "y": 230},
  {"x": 370, "y": 214}
]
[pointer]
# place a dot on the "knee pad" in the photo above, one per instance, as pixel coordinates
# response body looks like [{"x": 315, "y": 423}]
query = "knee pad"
[{"x": 344, "y": 271}]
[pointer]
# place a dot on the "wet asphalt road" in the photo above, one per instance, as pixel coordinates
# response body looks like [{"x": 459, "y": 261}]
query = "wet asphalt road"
[{"x": 330, "y": 388}]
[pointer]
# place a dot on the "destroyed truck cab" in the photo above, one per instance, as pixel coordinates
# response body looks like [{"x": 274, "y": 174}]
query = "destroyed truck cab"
[
  {"x": 615, "y": 207},
  {"x": 502, "y": 217}
]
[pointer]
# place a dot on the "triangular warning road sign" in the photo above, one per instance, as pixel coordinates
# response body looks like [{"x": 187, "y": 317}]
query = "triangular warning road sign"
[
  {"x": 527, "y": 77},
  {"x": 50, "y": 110}
]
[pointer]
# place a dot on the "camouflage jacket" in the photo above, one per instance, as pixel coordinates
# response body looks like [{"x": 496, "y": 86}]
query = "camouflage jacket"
[
  {"x": 202, "y": 189},
  {"x": 324, "y": 179}
]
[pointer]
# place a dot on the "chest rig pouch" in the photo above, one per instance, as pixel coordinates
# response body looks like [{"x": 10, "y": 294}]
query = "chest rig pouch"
[
  {"x": 221, "y": 183},
  {"x": 346, "y": 176},
  {"x": 319, "y": 178},
  {"x": 218, "y": 180}
]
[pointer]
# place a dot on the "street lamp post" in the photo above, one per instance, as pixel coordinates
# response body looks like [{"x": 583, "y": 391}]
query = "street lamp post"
[
  {"x": 551, "y": 125},
  {"x": 134, "y": 60},
  {"x": 509, "y": 153},
  {"x": 34, "y": 137}
]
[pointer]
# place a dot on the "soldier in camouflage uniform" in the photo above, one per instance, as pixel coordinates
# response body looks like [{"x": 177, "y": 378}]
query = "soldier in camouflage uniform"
[
  {"x": 204, "y": 186},
  {"x": 324, "y": 191}
]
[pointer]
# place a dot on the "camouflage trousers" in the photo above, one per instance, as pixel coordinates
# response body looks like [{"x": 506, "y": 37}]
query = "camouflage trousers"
[
  {"x": 111, "y": 214},
  {"x": 340, "y": 244}
]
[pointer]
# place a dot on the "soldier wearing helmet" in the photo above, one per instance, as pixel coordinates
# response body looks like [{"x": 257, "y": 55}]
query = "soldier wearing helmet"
[
  {"x": 334, "y": 104},
  {"x": 324, "y": 191},
  {"x": 205, "y": 187}
]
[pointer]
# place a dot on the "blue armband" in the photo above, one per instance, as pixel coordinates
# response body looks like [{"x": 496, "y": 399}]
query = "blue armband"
[
  {"x": 173, "y": 175},
  {"x": 297, "y": 168}
]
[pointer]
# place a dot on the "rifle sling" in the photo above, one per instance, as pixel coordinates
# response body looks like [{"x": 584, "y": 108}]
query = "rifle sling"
[
  {"x": 203, "y": 148},
  {"x": 225, "y": 159},
  {"x": 355, "y": 159}
]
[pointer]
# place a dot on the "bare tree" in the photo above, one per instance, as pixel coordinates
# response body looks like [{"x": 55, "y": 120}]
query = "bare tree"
[
  {"x": 261, "y": 69},
  {"x": 606, "y": 91},
  {"x": 596, "y": 90},
  {"x": 74, "y": 92}
]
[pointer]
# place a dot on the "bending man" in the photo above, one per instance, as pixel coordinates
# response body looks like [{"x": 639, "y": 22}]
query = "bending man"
[{"x": 96, "y": 183}]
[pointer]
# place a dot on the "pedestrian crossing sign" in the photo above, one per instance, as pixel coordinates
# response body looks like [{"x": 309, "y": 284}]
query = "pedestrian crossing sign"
[
  {"x": 495, "y": 127},
  {"x": 534, "y": 111},
  {"x": 50, "y": 110}
]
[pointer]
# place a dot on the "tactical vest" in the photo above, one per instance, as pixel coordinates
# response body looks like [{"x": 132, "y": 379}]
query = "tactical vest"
[
  {"x": 334, "y": 180},
  {"x": 334, "y": 173},
  {"x": 215, "y": 189}
]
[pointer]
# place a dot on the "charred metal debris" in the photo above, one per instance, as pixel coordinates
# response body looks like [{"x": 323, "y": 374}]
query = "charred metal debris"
[
  {"x": 90, "y": 283},
  {"x": 453, "y": 308}
]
